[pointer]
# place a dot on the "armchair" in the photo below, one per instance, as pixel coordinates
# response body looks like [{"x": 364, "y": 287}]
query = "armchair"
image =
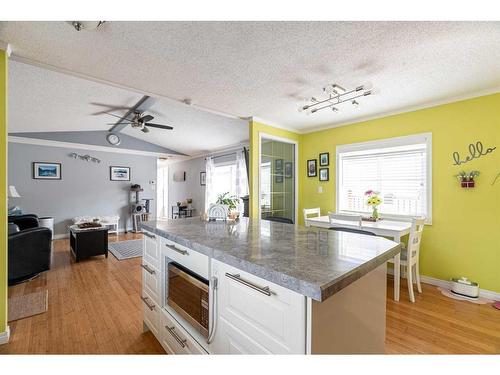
[{"x": 29, "y": 249}]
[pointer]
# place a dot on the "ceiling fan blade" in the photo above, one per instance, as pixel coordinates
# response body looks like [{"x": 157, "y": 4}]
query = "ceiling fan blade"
[
  {"x": 145, "y": 130},
  {"x": 120, "y": 117},
  {"x": 146, "y": 118},
  {"x": 159, "y": 126}
]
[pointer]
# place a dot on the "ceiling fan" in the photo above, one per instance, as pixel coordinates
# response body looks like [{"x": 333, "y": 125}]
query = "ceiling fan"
[{"x": 140, "y": 121}]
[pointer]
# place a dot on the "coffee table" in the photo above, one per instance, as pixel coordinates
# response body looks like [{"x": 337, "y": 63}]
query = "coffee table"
[{"x": 88, "y": 242}]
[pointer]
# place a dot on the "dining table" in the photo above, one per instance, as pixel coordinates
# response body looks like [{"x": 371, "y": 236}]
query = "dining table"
[{"x": 393, "y": 229}]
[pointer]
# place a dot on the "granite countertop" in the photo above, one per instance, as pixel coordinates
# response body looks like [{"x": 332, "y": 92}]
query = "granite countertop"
[{"x": 311, "y": 261}]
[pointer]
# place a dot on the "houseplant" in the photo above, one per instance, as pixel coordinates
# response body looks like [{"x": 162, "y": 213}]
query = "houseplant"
[
  {"x": 467, "y": 179},
  {"x": 373, "y": 200},
  {"x": 229, "y": 200}
]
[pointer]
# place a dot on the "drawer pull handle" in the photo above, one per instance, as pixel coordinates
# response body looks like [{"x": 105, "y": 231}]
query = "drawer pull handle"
[
  {"x": 149, "y": 235},
  {"x": 180, "y": 251},
  {"x": 147, "y": 268},
  {"x": 145, "y": 300},
  {"x": 181, "y": 342},
  {"x": 236, "y": 277}
]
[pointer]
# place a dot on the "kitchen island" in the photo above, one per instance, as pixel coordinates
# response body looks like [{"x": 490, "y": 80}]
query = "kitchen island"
[{"x": 274, "y": 287}]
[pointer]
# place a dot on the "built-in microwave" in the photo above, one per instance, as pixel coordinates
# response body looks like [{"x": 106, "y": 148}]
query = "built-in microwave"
[{"x": 188, "y": 296}]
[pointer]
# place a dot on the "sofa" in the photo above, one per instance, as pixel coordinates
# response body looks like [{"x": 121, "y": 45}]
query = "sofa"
[{"x": 30, "y": 248}]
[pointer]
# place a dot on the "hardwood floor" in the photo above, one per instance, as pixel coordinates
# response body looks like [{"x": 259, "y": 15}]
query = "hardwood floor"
[{"x": 94, "y": 307}]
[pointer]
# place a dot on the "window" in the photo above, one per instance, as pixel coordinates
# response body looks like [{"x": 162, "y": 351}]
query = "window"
[
  {"x": 224, "y": 179},
  {"x": 398, "y": 168}
]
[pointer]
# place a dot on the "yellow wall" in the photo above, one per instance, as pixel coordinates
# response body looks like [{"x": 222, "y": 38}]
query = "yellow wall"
[
  {"x": 464, "y": 238},
  {"x": 3, "y": 191},
  {"x": 256, "y": 129}
]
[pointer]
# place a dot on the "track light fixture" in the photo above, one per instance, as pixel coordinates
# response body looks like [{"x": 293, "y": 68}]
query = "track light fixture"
[{"x": 333, "y": 95}]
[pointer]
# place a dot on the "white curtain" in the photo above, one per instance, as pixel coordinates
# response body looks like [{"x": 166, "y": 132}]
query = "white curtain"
[
  {"x": 241, "y": 177},
  {"x": 209, "y": 193}
]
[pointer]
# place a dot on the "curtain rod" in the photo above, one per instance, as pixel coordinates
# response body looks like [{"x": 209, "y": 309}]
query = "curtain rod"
[{"x": 223, "y": 155}]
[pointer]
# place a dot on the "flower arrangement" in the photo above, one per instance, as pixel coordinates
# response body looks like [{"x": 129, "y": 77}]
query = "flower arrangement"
[
  {"x": 467, "y": 178},
  {"x": 373, "y": 200}
]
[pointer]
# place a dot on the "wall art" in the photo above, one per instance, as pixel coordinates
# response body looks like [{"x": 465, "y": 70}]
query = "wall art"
[
  {"x": 476, "y": 150},
  {"x": 46, "y": 170}
]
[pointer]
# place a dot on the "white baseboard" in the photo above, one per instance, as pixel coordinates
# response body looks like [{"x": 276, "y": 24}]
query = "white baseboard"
[
  {"x": 66, "y": 235},
  {"x": 4, "y": 336},
  {"x": 446, "y": 284}
]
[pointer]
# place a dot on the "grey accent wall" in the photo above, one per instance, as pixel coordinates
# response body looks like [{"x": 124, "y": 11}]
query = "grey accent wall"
[
  {"x": 85, "y": 188},
  {"x": 191, "y": 188}
]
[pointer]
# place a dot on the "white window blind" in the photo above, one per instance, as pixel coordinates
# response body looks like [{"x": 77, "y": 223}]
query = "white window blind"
[{"x": 399, "y": 169}]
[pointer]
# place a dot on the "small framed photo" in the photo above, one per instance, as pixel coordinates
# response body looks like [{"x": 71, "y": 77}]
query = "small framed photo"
[
  {"x": 312, "y": 168},
  {"x": 278, "y": 178},
  {"x": 46, "y": 170},
  {"x": 288, "y": 169},
  {"x": 324, "y": 174},
  {"x": 278, "y": 165},
  {"x": 324, "y": 159},
  {"x": 119, "y": 173},
  {"x": 203, "y": 178}
]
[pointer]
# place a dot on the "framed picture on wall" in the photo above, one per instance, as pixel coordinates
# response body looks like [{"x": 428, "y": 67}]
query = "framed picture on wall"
[
  {"x": 288, "y": 169},
  {"x": 46, "y": 170},
  {"x": 324, "y": 174},
  {"x": 312, "y": 168},
  {"x": 203, "y": 178},
  {"x": 119, "y": 173},
  {"x": 324, "y": 159},
  {"x": 278, "y": 165}
]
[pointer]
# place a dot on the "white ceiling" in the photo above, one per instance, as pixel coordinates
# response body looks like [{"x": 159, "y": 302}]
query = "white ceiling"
[
  {"x": 42, "y": 100},
  {"x": 267, "y": 69}
]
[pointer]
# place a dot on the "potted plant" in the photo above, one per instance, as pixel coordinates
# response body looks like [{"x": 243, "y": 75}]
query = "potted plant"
[
  {"x": 228, "y": 200},
  {"x": 373, "y": 200},
  {"x": 467, "y": 179}
]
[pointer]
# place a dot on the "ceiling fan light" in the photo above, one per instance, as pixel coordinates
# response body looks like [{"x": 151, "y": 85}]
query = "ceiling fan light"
[
  {"x": 355, "y": 103},
  {"x": 334, "y": 109}
]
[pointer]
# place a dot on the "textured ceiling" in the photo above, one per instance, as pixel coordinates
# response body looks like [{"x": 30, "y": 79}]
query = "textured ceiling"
[
  {"x": 42, "y": 100},
  {"x": 267, "y": 69}
]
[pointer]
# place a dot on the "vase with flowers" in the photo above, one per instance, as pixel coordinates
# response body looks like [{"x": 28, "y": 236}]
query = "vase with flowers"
[{"x": 373, "y": 200}]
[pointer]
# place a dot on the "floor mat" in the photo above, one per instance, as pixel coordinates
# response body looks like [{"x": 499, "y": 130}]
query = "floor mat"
[
  {"x": 126, "y": 249},
  {"x": 28, "y": 305}
]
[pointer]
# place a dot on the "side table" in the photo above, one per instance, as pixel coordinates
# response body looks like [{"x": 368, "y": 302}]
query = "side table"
[{"x": 88, "y": 242}]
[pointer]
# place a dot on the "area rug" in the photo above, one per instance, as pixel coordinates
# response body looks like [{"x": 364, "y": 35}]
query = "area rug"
[
  {"x": 126, "y": 249},
  {"x": 28, "y": 305},
  {"x": 479, "y": 300}
]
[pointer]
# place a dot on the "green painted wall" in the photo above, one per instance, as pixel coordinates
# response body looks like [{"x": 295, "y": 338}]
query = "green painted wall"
[
  {"x": 3, "y": 190},
  {"x": 464, "y": 238}
]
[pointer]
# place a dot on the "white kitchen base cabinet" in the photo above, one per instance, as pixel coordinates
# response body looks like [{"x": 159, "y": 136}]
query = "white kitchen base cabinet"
[{"x": 256, "y": 316}]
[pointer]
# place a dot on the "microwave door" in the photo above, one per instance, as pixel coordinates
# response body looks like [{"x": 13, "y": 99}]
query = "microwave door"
[{"x": 188, "y": 296}]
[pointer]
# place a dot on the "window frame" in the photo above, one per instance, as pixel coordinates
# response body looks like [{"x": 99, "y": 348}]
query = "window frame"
[{"x": 385, "y": 143}]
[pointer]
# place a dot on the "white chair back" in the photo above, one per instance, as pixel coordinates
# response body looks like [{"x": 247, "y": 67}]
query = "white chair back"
[
  {"x": 336, "y": 220},
  {"x": 311, "y": 211},
  {"x": 415, "y": 239}
]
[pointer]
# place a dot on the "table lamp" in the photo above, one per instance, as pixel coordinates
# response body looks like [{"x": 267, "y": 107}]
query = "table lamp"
[{"x": 12, "y": 193}]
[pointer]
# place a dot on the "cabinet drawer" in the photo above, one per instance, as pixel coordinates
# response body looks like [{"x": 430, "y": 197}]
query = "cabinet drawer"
[
  {"x": 266, "y": 313},
  {"x": 192, "y": 260},
  {"x": 151, "y": 249},
  {"x": 151, "y": 281},
  {"x": 151, "y": 314},
  {"x": 175, "y": 339}
]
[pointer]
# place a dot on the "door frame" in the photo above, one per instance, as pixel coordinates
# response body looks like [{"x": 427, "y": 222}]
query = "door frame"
[{"x": 296, "y": 168}]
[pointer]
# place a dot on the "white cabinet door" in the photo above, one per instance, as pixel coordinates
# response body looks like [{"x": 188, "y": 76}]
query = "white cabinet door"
[
  {"x": 151, "y": 249},
  {"x": 257, "y": 316},
  {"x": 151, "y": 279}
]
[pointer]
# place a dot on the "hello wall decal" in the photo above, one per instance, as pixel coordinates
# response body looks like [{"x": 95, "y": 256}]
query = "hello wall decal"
[{"x": 476, "y": 150}]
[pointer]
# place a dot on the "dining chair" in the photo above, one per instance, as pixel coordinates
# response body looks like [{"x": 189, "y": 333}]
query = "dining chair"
[
  {"x": 350, "y": 230},
  {"x": 311, "y": 211},
  {"x": 410, "y": 255},
  {"x": 337, "y": 219}
]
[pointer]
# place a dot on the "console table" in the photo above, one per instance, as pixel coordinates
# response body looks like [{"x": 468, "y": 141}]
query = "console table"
[
  {"x": 181, "y": 211},
  {"x": 88, "y": 242}
]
